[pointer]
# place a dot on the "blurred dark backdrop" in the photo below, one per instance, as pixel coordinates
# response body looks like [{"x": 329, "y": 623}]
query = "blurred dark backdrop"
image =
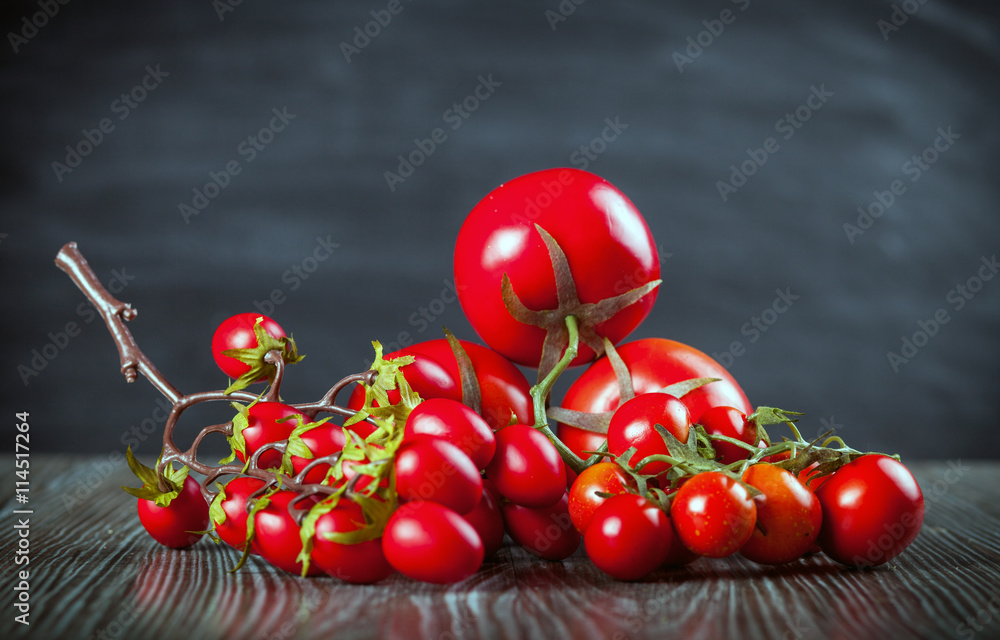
[{"x": 697, "y": 86}]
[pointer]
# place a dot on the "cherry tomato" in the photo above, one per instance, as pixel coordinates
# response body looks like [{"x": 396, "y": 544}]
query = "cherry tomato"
[
  {"x": 431, "y": 468},
  {"x": 277, "y": 534},
  {"x": 603, "y": 477},
  {"x": 268, "y": 422},
  {"x": 788, "y": 516},
  {"x": 360, "y": 563},
  {"x": 628, "y": 537},
  {"x": 730, "y": 422},
  {"x": 606, "y": 242},
  {"x": 527, "y": 469},
  {"x": 634, "y": 425},
  {"x": 456, "y": 423},
  {"x": 713, "y": 514},
  {"x": 654, "y": 363},
  {"x": 487, "y": 520},
  {"x": 547, "y": 532},
  {"x": 323, "y": 440},
  {"x": 435, "y": 374},
  {"x": 172, "y": 525},
  {"x": 236, "y": 332},
  {"x": 872, "y": 510},
  {"x": 429, "y": 542},
  {"x": 233, "y": 530}
]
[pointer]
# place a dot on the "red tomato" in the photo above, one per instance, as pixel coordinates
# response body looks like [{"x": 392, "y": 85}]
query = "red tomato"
[
  {"x": 431, "y": 468},
  {"x": 603, "y": 477},
  {"x": 487, "y": 520},
  {"x": 268, "y": 422},
  {"x": 435, "y": 374},
  {"x": 628, "y": 537},
  {"x": 547, "y": 532},
  {"x": 233, "y": 530},
  {"x": 606, "y": 241},
  {"x": 788, "y": 516},
  {"x": 654, "y": 363},
  {"x": 236, "y": 332},
  {"x": 429, "y": 542},
  {"x": 456, "y": 423},
  {"x": 324, "y": 440},
  {"x": 172, "y": 525},
  {"x": 634, "y": 425},
  {"x": 277, "y": 534},
  {"x": 732, "y": 423},
  {"x": 872, "y": 510},
  {"x": 527, "y": 469},
  {"x": 361, "y": 563},
  {"x": 713, "y": 514}
]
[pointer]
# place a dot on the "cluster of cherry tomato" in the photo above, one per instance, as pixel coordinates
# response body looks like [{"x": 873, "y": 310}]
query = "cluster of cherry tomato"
[{"x": 654, "y": 456}]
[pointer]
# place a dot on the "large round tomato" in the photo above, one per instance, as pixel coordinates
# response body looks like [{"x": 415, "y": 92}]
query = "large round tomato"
[
  {"x": 435, "y": 374},
  {"x": 654, "y": 363},
  {"x": 605, "y": 239},
  {"x": 177, "y": 524},
  {"x": 872, "y": 509}
]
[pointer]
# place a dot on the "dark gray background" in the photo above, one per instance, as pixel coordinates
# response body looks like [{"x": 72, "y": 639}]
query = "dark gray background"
[{"x": 323, "y": 176}]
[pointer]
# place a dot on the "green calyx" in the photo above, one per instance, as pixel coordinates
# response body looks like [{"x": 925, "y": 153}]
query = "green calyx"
[
  {"x": 173, "y": 479},
  {"x": 254, "y": 357}
]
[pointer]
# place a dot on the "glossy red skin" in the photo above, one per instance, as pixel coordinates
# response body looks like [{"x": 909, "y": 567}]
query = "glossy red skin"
[
  {"x": 429, "y": 542},
  {"x": 435, "y": 374},
  {"x": 872, "y": 510},
  {"x": 277, "y": 536},
  {"x": 628, "y": 537},
  {"x": 233, "y": 530},
  {"x": 170, "y": 525},
  {"x": 788, "y": 516},
  {"x": 324, "y": 440},
  {"x": 606, "y": 241},
  {"x": 732, "y": 423},
  {"x": 634, "y": 425},
  {"x": 456, "y": 423},
  {"x": 263, "y": 427},
  {"x": 654, "y": 363},
  {"x": 360, "y": 563},
  {"x": 713, "y": 514},
  {"x": 547, "y": 533},
  {"x": 527, "y": 468},
  {"x": 433, "y": 469},
  {"x": 236, "y": 332},
  {"x": 603, "y": 477},
  {"x": 487, "y": 520}
]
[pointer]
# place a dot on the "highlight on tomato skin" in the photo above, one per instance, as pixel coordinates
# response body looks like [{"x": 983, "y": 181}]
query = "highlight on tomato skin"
[
  {"x": 587, "y": 216},
  {"x": 429, "y": 542}
]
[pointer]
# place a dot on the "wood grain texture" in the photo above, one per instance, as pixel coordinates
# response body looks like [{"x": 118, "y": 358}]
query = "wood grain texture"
[{"x": 96, "y": 574}]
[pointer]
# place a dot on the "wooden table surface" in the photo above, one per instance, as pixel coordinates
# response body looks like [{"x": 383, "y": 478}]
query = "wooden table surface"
[{"x": 94, "y": 573}]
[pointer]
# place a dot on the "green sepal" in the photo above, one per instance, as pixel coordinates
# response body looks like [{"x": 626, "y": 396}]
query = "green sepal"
[
  {"x": 307, "y": 530},
  {"x": 174, "y": 479},
  {"x": 215, "y": 511},
  {"x": 237, "y": 443},
  {"x": 295, "y": 445},
  {"x": 259, "y": 504},
  {"x": 254, "y": 357}
]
